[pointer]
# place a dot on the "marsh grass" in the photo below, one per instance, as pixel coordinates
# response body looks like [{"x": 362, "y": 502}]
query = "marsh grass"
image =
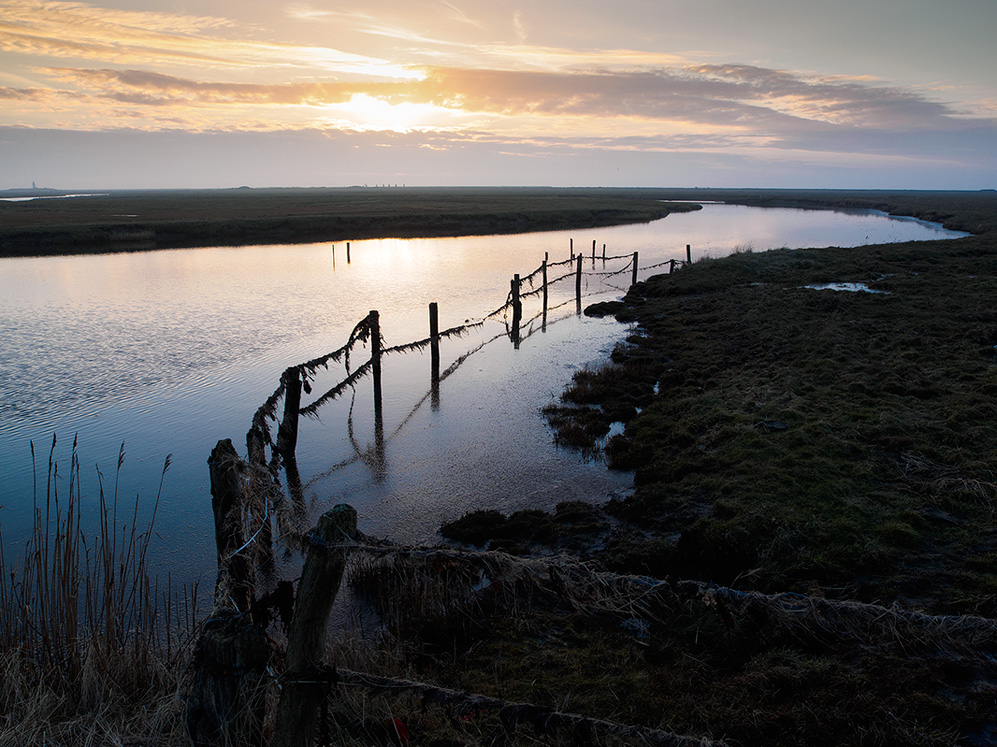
[{"x": 92, "y": 648}]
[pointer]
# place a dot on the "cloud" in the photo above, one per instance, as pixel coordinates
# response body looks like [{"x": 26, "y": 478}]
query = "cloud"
[{"x": 74, "y": 30}]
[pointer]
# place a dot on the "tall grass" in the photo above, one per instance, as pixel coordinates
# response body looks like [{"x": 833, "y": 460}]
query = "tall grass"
[{"x": 92, "y": 648}]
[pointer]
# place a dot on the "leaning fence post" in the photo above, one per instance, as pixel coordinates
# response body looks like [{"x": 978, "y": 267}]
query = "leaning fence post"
[
  {"x": 633, "y": 274},
  {"x": 287, "y": 432},
  {"x": 306, "y": 681}
]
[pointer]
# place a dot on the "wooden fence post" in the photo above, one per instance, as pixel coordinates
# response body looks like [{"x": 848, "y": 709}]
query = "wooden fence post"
[
  {"x": 578, "y": 283},
  {"x": 517, "y": 309},
  {"x": 306, "y": 680},
  {"x": 688, "y": 253},
  {"x": 375, "y": 357},
  {"x": 225, "y": 703},
  {"x": 671, "y": 266},
  {"x": 434, "y": 351},
  {"x": 603, "y": 252},
  {"x": 347, "y": 252},
  {"x": 571, "y": 245},
  {"x": 543, "y": 270},
  {"x": 287, "y": 432},
  {"x": 633, "y": 274},
  {"x": 593, "y": 252}
]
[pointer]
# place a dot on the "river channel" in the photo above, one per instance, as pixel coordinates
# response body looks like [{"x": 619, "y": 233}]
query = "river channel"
[{"x": 169, "y": 351}]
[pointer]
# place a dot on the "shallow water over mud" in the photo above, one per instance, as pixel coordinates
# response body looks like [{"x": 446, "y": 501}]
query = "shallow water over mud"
[{"x": 169, "y": 351}]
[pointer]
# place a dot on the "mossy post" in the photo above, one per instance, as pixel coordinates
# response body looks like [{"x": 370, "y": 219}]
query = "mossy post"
[
  {"x": 224, "y": 705},
  {"x": 228, "y": 497},
  {"x": 287, "y": 432},
  {"x": 434, "y": 352},
  {"x": 633, "y": 274},
  {"x": 306, "y": 680}
]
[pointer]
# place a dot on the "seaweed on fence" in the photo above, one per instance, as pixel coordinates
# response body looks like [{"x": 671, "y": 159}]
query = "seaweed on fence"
[
  {"x": 360, "y": 333},
  {"x": 333, "y": 393},
  {"x": 458, "y": 331}
]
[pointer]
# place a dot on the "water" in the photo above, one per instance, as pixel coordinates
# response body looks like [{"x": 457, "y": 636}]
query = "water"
[{"x": 170, "y": 351}]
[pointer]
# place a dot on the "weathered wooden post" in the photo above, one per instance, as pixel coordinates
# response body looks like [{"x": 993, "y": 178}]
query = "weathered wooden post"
[
  {"x": 671, "y": 266},
  {"x": 347, "y": 252},
  {"x": 603, "y": 252},
  {"x": 571, "y": 245},
  {"x": 578, "y": 280},
  {"x": 517, "y": 310},
  {"x": 593, "y": 252},
  {"x": 334, "y": 256},
  {"x": 633, "y": 274},
  {"x": 434, "y": 352},
  {"x": 261, "y": 493},
  {"x": 543, "y": 270},
  {"x": 287, "y": 432},
  {"x": 306, "y": 680},
  {"x": 225, "y": 703},
  {"x": 375, "y": 357},
  {"x": 688, "y": 253},
  {"x": 228, "y": 486}
]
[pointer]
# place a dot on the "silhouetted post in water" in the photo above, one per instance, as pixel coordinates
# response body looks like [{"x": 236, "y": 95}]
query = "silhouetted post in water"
[
  {"x": 543, "y": 270},
  {"x": 517, "y": 310},
  {"x": 633, "y": 277},
  {"x": 593, "y": 252},
  {"x": 227, "y": 500},
  {"x": 347, "y": 252},
  {"x": 334, "y": 256},
  {"x": 578, "y": 284},
  {"x": 603, "y": 252},
  {"x": 287, "y": 432},
  {"x": 434, "y": 351},
  {"x": 307, "y": 680},
  {"x": 671, "y": 266},
  {"x": 571, "y": 245},
  {"x": 375, "y": 357},
  {"x": 688, "y": 253}
]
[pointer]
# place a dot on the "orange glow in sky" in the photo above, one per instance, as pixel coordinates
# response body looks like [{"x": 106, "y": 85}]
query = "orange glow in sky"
[{"x": 704, "y": 92}]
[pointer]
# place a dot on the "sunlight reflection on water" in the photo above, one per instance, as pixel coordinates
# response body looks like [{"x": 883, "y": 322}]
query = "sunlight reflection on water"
[{"x": 171, "y": 350}]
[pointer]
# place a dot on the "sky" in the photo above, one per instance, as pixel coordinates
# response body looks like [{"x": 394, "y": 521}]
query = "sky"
[{"x": 860, "y": 94}]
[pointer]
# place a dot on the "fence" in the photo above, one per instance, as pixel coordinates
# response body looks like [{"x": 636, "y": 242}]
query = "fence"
[{"x": 227, "y": 700}]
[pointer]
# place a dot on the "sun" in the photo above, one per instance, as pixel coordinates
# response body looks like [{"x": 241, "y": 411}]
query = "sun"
[{"x": 365, "y": 112}]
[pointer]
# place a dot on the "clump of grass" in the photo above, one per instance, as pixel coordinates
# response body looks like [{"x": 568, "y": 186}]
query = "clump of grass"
[{"x": 92, "y": 648}]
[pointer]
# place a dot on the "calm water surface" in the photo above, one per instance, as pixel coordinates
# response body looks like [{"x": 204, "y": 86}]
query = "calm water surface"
[{"x": 169, "y": 351}]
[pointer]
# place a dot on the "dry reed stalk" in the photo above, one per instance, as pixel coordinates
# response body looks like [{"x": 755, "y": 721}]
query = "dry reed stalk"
[{"x": 91, "y": 649}]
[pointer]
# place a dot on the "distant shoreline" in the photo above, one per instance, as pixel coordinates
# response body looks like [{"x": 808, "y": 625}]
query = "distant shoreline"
[{"x": 144, "y": 220}]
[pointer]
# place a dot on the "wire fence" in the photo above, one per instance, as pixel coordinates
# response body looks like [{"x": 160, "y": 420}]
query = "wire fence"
[{"x": 251, "y": 510}]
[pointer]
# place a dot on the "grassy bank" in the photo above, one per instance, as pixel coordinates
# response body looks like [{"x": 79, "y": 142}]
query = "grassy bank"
[
  {"x": 135, "y": 221},
  {"x": 833, "y": 445}
]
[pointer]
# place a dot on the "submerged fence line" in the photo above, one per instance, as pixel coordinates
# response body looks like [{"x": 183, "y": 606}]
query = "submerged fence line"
[{"x": 249, "y": 503}]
